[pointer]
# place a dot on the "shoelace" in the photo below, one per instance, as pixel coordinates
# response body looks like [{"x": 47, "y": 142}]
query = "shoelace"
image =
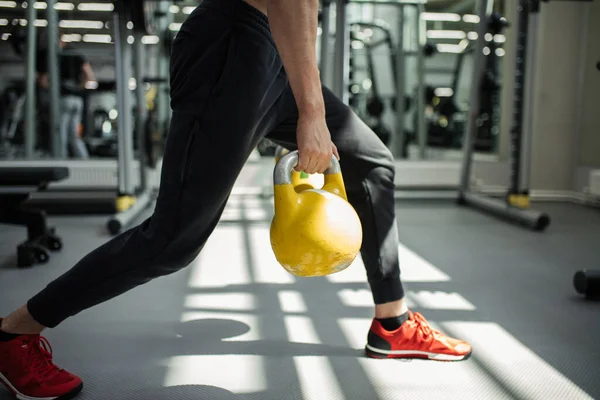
[
  {"x": 422, "y": 325},
  {"x": 39, "y": 357}
]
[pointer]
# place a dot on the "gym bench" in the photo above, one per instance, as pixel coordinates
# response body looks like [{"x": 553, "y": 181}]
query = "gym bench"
[{"x": 16, "y": 185}]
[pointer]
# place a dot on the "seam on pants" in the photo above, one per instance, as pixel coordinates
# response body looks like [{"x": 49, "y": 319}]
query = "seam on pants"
[{"x": 369, "y": 198}]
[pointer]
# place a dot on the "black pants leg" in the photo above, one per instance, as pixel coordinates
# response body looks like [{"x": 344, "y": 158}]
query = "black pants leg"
[
  {"x": 228, "y": 90},
  {"x": 227, "y": 82}
]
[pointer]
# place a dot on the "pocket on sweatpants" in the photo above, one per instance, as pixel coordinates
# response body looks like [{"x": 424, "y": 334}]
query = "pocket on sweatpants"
[
  {"x": 188, "y": 151},
  {"x": 227, "y": 65}
]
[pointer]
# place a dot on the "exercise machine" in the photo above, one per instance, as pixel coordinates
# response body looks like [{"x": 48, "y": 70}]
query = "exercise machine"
[
  {"x": 370, "y": 108},
  {"x": 13, "y": 122},
  {"x": 370, "y": 103},
  {"x": 16, "y": 185},
  {"x": 515, "y": 206},
  {"x": 340, "y": 83},
  {"x": 446, "y": 118}
]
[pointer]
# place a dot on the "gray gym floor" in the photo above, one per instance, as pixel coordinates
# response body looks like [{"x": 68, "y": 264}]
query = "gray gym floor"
[{"x": 234, "y": 325}]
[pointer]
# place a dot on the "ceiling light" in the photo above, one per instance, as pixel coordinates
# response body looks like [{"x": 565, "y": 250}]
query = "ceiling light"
[
  {"x": 97, "y": 38},
  {"x": 449, "y": 48},
  {"x": 71, "y": 37},
  {"x": 443, "y": 92},
  {"x": 440, "y": 34},
  {"x": 470, "y": 18},
  {"x": 189, "y": 9},
  {"x": 450, "y": 17},
  {"x": 499, "y": 38},
  {"x": 95, "y": 7},
  {"x": 81, "y": 24},
  {"x": 174, "y": 26},
  {"x": 64, "y": 6},
  {"x": 150, "y": 39}
]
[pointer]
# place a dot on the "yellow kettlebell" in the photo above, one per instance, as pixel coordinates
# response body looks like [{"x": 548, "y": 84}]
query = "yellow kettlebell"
[
  {"x": 301, "y": 180},
  {"x": 314, "y": 232}
]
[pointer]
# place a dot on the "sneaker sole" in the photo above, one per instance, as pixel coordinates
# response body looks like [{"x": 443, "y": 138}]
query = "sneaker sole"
[
  {"x": 374, "y": 352},
  {"x": 21, "y": 396}
]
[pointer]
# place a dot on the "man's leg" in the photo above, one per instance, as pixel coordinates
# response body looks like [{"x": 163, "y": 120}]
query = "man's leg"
[
  {"x": 76, "y": 144},
  {"x": 65, "y": 117},
  {"x": 227, "y": 82},
  {"x": 368, "y": 169}
]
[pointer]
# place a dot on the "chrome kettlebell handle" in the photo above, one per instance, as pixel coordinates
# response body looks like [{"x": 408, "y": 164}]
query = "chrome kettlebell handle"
[{"x": 282, "y": 174}]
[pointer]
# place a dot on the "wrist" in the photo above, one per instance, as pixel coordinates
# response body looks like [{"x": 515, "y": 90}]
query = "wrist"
[{"x": 311, "y": 110}]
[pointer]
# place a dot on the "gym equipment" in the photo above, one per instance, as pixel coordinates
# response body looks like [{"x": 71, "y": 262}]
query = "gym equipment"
[
  {"x": 514, "y": 206},
  {"x": 129, "y": 203},
  {"x": 144, "y": 15},
  {"x": 587, "y": 282},
  {"x": 105, "y": 186},
  {"x": 300, "y": 180},
  {"x": 489, "y": 107},
  {"x": 154, "y": 134},
  {"x": 16, "y": 185},
  {"x": 375, "y": 106},
  {"x": 30, "y": 78},
  {"x": 340, "y": 84},
  {"x": 445, "y": 118},
  {"x": 13, "y": 137},
  {"x": 54, "y": 79},
  {"x": 314, "y": 232},
  {"x": 18, "y": 40},
  {"x": 324, "y": 20}
]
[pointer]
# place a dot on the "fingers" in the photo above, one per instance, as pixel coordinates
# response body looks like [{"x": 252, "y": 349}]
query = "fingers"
[
  {"x": 308, "y": 161},
  {"x": 316, "y": 161}
]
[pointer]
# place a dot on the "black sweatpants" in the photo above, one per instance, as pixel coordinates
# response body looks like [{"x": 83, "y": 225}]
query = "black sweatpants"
[{"x": 228, "y": 91}]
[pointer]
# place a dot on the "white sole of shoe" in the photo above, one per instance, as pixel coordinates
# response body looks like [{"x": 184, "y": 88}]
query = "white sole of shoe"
[
  {"x": 19, "y": 395},
  {"x": 414, "y": 354}
]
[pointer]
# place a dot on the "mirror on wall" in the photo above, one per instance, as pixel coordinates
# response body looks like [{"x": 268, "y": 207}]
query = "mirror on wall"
[{"x": 427, "y": 50}]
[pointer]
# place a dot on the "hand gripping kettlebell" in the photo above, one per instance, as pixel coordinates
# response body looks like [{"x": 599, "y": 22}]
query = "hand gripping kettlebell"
[
  {"x": 300, "y": 179},
  {"x": 314, "y": 232}
]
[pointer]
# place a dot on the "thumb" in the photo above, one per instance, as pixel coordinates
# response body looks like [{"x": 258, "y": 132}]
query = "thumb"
[
  {"x": 335, "y": 151},
  {"x": 302, "y": 162}
]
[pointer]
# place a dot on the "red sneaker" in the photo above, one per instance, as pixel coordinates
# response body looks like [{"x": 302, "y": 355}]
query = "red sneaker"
[
  {"x": 27, "y": 370},
  {"x": 414, "y": 339}
]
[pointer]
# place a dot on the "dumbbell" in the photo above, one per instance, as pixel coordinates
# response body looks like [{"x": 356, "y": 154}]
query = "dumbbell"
[{"x": 587, "y": 282}]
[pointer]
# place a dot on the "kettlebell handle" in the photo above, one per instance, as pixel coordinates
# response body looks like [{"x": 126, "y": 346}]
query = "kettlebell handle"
[{"x": 282, "y": 175}]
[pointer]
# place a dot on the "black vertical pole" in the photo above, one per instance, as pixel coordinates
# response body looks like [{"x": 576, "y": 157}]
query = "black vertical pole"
[
  {"x": 140, "y": 95},
  {"x": 59, "y": 149},
  {"x": 516, "y": 132},
  {"x": 30, "y": 98}
]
